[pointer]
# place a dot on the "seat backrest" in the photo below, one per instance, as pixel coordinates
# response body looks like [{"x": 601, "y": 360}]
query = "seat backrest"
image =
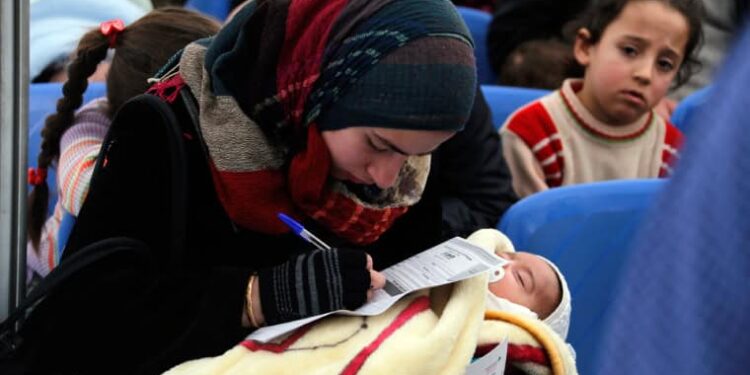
[
  {"x": 218, "y": 9},
  {"x": 587, "y": 231},
  {"x": 688, "y": 107},
  {"x": 478, "y": 23},
  {"x": 504, "y": 100},
  {"x": 42, "y": 102}
]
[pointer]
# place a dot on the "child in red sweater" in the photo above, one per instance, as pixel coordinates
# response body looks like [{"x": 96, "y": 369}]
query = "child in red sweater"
[{"x": 603, "y": 126}]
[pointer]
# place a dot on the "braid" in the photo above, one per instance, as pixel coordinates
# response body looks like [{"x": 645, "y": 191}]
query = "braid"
[
  {"x": 91, "y": 51},
  {"x": 137, "y": 58}
]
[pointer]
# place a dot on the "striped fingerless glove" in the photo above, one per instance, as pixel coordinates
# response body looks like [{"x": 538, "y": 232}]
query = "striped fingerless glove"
[{"x": 314, "y": 283}]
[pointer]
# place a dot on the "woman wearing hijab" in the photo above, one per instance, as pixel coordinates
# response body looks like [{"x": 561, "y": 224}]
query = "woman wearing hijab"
[{"x": 326, "y": 111}]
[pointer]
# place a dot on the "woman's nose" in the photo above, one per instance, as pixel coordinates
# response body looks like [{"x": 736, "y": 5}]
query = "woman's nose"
[{"x": 384, "y": 170}]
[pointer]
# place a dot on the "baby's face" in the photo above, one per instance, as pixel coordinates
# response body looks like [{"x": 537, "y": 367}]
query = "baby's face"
[{"x": 529, "y": 281}]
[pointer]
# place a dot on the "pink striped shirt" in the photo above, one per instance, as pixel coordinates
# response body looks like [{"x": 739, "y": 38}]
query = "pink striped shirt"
[{"x": 79, "y": 148}]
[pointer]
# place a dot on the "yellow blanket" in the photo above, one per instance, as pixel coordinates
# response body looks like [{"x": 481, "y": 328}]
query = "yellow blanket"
[{"x": 433, "y": 332}]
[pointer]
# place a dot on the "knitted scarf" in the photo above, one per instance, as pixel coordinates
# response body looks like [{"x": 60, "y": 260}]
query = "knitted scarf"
[{"x": 266, "y": 83}]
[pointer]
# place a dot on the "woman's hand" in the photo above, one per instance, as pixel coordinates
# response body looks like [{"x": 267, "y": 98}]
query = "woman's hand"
[
  {"x": 311, "y": 284},
  {"x": 377, "y": 279}
]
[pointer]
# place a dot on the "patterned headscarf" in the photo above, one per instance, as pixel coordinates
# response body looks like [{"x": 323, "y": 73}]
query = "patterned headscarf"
[{"x": 280, "y": 71}]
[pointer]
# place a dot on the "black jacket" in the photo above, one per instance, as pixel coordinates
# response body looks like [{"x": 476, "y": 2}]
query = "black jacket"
[{"x": 473, "y": 178}]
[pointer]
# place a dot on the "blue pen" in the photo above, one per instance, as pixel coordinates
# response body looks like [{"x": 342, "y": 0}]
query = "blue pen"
[{"x": 299, "y": 230}]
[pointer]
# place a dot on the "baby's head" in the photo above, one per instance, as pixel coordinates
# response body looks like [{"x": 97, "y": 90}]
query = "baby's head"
[
  {"x": 633, "y": 51},
  {"x": 529, "y": 281},
  {"x": 535, "y": 283}
]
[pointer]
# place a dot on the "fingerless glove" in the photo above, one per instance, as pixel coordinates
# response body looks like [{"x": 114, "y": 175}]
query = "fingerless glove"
[{"x": 314, "y": 283}]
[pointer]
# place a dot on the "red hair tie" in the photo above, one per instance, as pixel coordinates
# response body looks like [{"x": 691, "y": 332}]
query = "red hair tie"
[
  {"x": 110, "y": 29},
  {"x": 37, "y": 176}
]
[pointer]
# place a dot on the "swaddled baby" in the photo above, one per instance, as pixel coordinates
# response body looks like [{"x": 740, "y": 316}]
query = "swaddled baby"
[{"x": 532, "y": 286}]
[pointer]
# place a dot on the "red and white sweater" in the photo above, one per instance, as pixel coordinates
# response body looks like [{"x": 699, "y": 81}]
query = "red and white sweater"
[{"x": 556, "y": 141}]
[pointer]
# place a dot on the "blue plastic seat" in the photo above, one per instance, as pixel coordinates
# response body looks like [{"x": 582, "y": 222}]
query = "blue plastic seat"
[
  {"x": 688, "y": 107},
  {"x": 218, "y": 9},
  {"x": 587, "y": 231},
  {"x": 42, "y": 102},
  {"x": 504, "y": 100},
  {"x": 478, "y": 23}
]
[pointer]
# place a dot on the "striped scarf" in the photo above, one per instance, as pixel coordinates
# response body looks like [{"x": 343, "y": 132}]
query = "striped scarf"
[{"x": 281, "y": 71}]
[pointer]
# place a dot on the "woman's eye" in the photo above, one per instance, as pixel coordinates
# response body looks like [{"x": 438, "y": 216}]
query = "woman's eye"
[{"x": 375, "y": 147}]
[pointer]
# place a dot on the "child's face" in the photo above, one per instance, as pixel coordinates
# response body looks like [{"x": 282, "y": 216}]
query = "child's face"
[
  {"x": 529, "y": 281},
  {"x": 632, "y": 66}
]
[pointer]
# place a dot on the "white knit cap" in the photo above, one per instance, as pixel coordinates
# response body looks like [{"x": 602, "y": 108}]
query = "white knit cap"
[
  {"x": 56, "y": 26},
  {"x": 559, "y": 319}
]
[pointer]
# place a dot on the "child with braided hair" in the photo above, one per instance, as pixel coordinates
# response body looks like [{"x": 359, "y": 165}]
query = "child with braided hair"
[{"x": 72, "y": 137}]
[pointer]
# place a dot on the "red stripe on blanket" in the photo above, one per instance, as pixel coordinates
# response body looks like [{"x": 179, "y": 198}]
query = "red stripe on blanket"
[
  {"x": 415, "y": 307},
  {"x": 517, "y": 353},
  {"x": 277, "y": 348},
  {"x": 527, "y": 353}
]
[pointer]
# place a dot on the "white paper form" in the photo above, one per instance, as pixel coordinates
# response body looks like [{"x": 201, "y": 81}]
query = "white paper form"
[
  {"x": 450, "y": 261},
  {"x": 492, "y": 363}
]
